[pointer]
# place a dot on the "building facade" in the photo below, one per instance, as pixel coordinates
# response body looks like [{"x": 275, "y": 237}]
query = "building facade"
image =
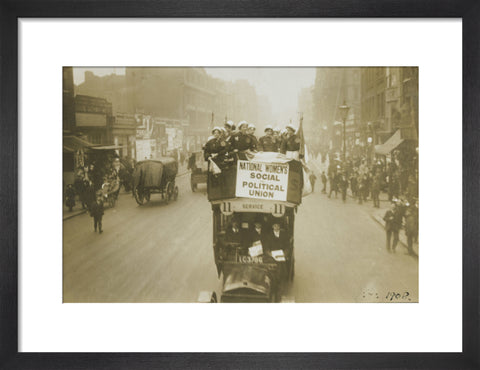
[
  {"x": 124, "y": 135},
  {"x": 187, "y": 99},
  {"x": 94, "y": 119},
  {"x": 68, "y": 100},
  {"x": 334, "y": 86},
  {"x": 389, "y": 102}
]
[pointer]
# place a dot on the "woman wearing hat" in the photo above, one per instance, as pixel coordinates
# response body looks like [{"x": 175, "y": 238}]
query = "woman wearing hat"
[
  {"x": 241, "y": 140},
  {"x": 267, "y": 143},
  {"x": 251, "y": 132},
  {"x": 229, "y": 128},
  {"x": 218, "y": 146},
  {"x": 212, "y": 146},
  {"x": 292, "y": 144}
]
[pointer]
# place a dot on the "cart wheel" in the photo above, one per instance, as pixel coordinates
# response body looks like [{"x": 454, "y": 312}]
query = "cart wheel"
[
  {"x": 292, "y": 269},
  {"x": 168, "y": 192},
  {"x": 175, "y": 193},
  {"x": 192, "y": 184},
  {"x": 138, "y": 196}
]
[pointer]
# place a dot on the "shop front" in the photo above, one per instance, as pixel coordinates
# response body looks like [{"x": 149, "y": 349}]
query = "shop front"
[{"x": 74, "y": 156}]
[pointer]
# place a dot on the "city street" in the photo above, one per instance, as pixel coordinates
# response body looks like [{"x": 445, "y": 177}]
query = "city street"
[{"x": 163, "y": 253}]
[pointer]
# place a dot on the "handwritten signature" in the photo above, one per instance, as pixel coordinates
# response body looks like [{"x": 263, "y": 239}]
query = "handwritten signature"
[{"x": 391, "y": 296}]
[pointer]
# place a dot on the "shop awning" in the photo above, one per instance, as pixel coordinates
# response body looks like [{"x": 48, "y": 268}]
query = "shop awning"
[
  {"x": 391, "y": 144},
  {"x": 108, "y": 147},
  {"x": 73, "y": 143}
]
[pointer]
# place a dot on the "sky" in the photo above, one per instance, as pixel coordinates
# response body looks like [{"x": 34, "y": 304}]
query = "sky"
[
  {"x": 79, "y": 73},
  {"x": 280, "y": 85}
]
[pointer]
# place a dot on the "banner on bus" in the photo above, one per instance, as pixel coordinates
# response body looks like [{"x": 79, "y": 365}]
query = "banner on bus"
[{"x": 261, "y": 180}]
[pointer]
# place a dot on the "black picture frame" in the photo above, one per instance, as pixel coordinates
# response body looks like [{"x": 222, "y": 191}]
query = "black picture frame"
[{"x": 11, "y": 10}]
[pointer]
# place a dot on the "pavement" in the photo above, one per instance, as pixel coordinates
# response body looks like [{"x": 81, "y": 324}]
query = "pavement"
[
  {"x": 77, "y": 210},
  {"x": 375, "y": 213}
]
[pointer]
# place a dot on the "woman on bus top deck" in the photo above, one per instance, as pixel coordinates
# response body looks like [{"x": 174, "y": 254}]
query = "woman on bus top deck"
[{"x": 217, "y": 144}]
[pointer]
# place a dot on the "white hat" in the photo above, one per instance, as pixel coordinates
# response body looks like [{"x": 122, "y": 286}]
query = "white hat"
[
  {"x": 216, "y": 128},
  {"x": 283, "y": 131},
  {"x": 229, "y": 123},
  {"x": 291, "y": 127},
  {"x": 251, "y": 125},
  {"x": 276, "y": 129},
  {"x": 268, "y": 127},
  {"x": 241, "y": 123}
]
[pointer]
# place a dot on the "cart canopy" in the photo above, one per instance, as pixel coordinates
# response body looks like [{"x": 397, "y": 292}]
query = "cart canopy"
[{"x": 155, "y": 173}]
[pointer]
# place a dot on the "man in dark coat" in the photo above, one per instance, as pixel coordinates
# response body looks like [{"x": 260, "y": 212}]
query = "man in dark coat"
[
  {"x": 343, "y": 185},
  {"x": 89, "y": 193},
  {"x": 257, "y": 233},
  {"x": 78, "y": 187},
  {"x": 313, "y": 179},
  {"x": 411, "y": 226},
  {"x": 233, "y": 233},
  {"x": 95, "y": 176},
  {"x": 362, "y": 188},
  {"x": 192, "y": 162},
  {"x": 393, "y": 184},
  {"x": 324, "y": 182},
  {"x": 70, "y": 197},
  {"x": 277, "y": 239},
  {"x": 393, "y": 224},
  {"x": 333, "y": 176},
  {"x": 96, "y": 211},
  {"x": 376, "y": 186}
]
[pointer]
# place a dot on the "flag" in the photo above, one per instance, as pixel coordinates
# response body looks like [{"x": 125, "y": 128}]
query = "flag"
[
  {"x": 307, "y": 185},
  {"x": 301, "y": 137},
  {"x": 214, "y": 168}
]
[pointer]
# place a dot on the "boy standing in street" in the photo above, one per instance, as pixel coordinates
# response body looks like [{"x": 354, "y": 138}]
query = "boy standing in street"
[{"x": 96, "y": 211}]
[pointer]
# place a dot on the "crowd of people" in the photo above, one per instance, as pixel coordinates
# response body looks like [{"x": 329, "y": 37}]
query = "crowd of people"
[
  {"x": 366, "y": 182},
  {"x": 242, "y": 139},
  {"x": 93, "y": 185}
]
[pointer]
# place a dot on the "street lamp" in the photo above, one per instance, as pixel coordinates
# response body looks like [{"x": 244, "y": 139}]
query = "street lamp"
[{"x": 344, "y": 108}]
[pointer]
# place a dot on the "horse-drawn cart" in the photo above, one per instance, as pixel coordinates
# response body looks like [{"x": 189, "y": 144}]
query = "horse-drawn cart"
[
  {"x": 199, "y": 168},
  {"x": 155, "y": 177}
]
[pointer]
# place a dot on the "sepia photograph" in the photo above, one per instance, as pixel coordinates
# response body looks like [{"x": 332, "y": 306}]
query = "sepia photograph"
[{"x": 240, "y": 184}]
